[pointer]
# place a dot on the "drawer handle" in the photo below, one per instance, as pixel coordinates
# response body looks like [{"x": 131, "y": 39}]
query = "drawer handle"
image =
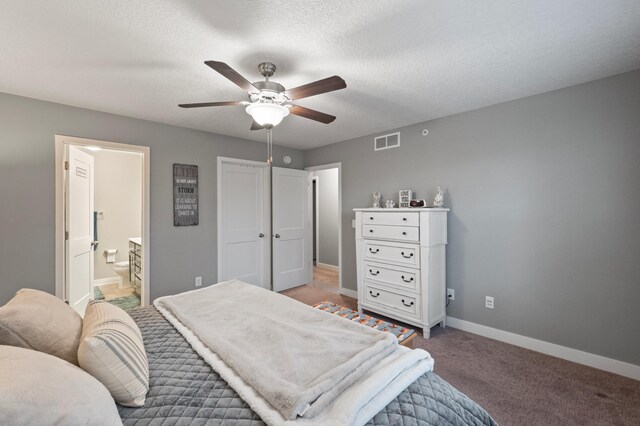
[
  {"x": 371, "y": 272},
  {"x": 372, "y": 251},
  {"x": 407, "y": 281},
  {"x": 406, "y": 257},
  {"x": 371, "y": 218},
  {"x": 377, "y": 294},
  {"x": 410, "y": 304},
  {"x": 404, "y": 219},
  {"x": 404, "y": 233}
]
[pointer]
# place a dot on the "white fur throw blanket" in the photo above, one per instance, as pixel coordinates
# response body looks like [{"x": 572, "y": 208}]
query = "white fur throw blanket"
[{"x": 290, "y": 361}]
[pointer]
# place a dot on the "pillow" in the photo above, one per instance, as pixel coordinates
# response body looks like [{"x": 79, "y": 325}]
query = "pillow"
[
  {"x": 112, "y": 351},
  {"x": 37, "y": 320},
  {"x": 40, "y": 389}
]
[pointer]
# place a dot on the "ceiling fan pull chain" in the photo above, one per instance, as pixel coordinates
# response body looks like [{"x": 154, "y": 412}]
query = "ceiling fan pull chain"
[{"x": 269, "y": 147}]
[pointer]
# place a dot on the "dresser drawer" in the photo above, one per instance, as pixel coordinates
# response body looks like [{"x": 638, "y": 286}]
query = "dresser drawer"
[
  {"x": 400, "y": 254},
  {"x": 391, "y": 218},
  {"x": 395, "y": 276},
  {"x": 389, "y": 300},
  {"x": 384, "y": 232}
]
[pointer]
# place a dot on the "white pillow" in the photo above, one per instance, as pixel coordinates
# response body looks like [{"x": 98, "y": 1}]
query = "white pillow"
[
  {"x": 37, "y": 320},
  {"x": 111, "y": 350},
  {"x": 40, "y": 389}
]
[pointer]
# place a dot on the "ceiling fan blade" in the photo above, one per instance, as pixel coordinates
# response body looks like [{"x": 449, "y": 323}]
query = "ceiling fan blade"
[
  {"x": 232, "y": 75},
  {"x": 312, "y": 114},
  {"x": 210, "y": 104},
  {"x": 256, "y": 126},
  {"x": 317, "y": 87}
]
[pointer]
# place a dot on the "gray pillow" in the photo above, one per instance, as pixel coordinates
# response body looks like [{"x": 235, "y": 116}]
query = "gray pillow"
[
  {"x": 37, "y": 320},
  {"x": 40, "y": 389}
]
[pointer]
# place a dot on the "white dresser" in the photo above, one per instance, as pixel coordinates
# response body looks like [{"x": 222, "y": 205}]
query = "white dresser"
[{"x": 401, "y": 257}]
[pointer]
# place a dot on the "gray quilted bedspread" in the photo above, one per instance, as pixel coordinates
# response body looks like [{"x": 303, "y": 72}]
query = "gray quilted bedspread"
[{"x": 184, "y": 390}]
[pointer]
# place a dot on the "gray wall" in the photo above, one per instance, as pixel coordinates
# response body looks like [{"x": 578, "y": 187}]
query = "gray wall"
[
  {"x": 328, "y": 216},
  {"x": 27, "y": 191},
  {"x": 545, "y": 207}
]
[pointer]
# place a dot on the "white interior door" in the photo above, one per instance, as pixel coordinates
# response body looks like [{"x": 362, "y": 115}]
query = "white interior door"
[
  {"x": 292, "y": 252},
  {"x": 243, "y": 207},
  {"x": 79, "y": 217}
]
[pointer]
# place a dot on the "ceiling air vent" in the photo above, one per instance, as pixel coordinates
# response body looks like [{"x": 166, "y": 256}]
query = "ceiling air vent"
[{"x": 391, "y": 140}]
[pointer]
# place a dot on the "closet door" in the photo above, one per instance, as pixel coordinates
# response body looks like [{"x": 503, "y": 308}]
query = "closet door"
[
  {"x": 243, "y": 222},
  {"x": 292, "y": 255}
]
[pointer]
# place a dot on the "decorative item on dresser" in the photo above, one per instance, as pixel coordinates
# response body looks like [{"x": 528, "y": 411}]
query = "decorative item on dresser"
[
  {"x": 438, "y": 201},
  {"x": 404, "y": 197},
  {"x": 401, "y": 264},
  {"x": 376, "y": 200}
]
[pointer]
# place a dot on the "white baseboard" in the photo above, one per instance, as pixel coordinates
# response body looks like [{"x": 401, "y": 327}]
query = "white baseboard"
[
  {"x": 326, "y": 266},
  {"x": 574, "y": 355},
  {"x": 108, "y": 280},
  {"x": 348, "y": 292}
]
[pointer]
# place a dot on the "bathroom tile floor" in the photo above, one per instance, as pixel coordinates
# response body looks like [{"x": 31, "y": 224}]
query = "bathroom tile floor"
[{"x": 112, "y": 291}]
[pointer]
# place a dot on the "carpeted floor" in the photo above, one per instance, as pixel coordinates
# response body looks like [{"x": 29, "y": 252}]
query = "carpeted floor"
[{"x": 515, "y": 385}]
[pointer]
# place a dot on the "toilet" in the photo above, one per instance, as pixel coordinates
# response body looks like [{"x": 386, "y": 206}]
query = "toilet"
[{"x": 122, "y": 269}]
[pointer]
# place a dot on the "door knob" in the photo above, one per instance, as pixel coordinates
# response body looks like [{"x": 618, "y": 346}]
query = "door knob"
[
  {"x": 277, "y": 235},
  {"x": 261, "y": 235}
]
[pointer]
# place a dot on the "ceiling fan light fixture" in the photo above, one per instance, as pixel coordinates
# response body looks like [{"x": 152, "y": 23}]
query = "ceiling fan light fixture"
[{"x": 267, "y": 114}]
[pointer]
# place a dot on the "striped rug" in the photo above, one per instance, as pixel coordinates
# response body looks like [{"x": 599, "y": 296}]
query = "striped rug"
[{"x": 401, "y": 333}]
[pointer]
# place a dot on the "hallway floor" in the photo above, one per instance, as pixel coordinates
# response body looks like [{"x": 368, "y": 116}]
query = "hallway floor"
[{"x": 325, "y": 279}]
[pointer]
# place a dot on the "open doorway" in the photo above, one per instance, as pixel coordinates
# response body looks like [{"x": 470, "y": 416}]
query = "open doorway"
[
  {"x": 102, "y": 222},
  {"x": 326, "y": 220}
]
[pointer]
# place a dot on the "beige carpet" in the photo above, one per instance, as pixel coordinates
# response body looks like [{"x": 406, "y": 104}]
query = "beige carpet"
[{"x": 515, "y": 385}]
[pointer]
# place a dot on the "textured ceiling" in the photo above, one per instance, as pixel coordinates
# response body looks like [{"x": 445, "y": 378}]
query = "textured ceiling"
[{"x": 403, "y": 61}]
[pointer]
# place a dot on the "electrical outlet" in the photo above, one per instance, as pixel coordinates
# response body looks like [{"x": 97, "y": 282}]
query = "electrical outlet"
[
  {"x": 451, "y": 294},
  {"x": 488, "y": 302},
  {"x": 198, "y": 281}
]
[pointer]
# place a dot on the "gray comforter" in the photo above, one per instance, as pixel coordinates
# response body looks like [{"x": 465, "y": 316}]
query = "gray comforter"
[{"x": 184, "y": 390}]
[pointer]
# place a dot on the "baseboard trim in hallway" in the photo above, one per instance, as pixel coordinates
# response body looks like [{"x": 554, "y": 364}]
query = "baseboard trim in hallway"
[
  {"x": 585, "y": 358},
  {"x": 348, "y": 292},
  {"x": 327, "y": 266}
]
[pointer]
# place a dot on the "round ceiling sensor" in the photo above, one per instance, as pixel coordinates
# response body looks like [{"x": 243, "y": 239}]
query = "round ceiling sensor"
[{"x": 286, "y": 159}]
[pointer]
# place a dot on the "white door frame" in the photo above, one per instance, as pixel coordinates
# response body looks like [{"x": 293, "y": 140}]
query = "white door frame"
[
  {"x": 267, "y": 212},
  {"x": 60, "y": 142},
  {"x": 341, "y": 290}
]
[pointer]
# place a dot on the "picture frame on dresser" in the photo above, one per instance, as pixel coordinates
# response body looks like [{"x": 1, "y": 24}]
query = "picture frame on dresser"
[{"x": 401, "y": 264}]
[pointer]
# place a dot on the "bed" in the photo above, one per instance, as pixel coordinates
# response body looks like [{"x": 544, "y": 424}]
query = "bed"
[{"x": 185, "y": 390}]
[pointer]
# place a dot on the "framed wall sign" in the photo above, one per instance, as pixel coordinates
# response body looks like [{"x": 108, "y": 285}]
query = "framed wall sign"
[
  {"x": 404, "y": 197},
  {"x": 185, "y": 195}
]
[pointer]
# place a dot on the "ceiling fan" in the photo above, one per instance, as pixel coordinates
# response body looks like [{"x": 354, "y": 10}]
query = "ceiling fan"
[{"x": 269, "y": 102}]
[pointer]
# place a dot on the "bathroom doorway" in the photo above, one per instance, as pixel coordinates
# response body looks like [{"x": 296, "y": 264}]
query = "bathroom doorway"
[{"x": 102, "y": 212}]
